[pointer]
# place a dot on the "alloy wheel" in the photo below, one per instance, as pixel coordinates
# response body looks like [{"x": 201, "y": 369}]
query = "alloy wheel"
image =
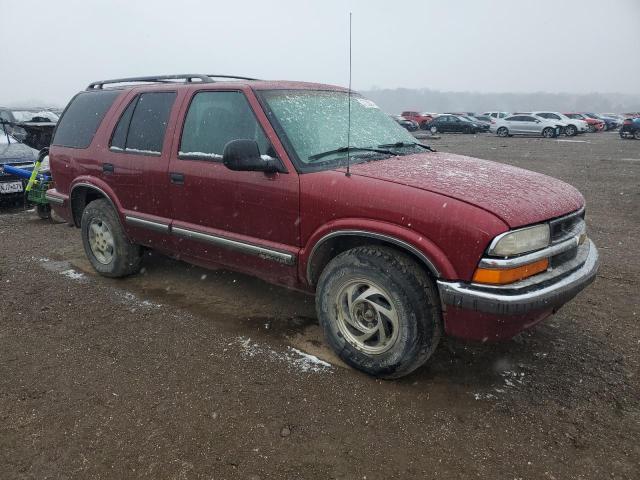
[{"x": 366, "y": 316}]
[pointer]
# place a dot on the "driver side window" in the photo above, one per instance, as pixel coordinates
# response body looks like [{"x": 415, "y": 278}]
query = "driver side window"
[{"x": 216, "y": 118}]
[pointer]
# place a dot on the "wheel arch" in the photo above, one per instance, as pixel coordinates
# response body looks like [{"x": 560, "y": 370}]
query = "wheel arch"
[
  {"x": 338, "y": 241},
  {"x": 81, "y": 194}
]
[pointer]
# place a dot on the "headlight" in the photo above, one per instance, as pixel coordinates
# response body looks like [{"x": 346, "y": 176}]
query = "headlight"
[{"x": 520, "y": 241}]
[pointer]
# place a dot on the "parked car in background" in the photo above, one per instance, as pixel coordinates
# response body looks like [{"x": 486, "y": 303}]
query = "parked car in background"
[
  {"x": 630, "y": 128},
  {"x": 483, "y": 126},
  {"x": 594, "y": 125},
  {"x": 609, "y": 123},
  {"x": 573, "y": 126},
  {"x": 392, "y": 269},
  {"x": 526, "y": 125},
  {"x": 452, "y": 123},
  {"x": 420, "y": 118},
  {"x": 483, "y": 118},
  {"x": 496, "y": 115},
  {"x": 405, "y": 123},
  {"x": 14, "y": 153},
  {"x": 32, "y": 126}
]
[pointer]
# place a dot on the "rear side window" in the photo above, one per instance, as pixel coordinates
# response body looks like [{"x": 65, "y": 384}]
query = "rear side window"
[
  {"x": 142, "y": 126},
  {"x": 216, "y": 118},
  {"x": 82, "y": 118}
]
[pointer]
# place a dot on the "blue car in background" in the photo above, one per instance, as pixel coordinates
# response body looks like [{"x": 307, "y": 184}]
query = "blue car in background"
[{"x": 630, "y": 128}]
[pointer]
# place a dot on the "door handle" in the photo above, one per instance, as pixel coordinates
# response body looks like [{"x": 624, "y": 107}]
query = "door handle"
[
  {"x": 176, "y": 178},
  {"x": 107, "y": 168}
]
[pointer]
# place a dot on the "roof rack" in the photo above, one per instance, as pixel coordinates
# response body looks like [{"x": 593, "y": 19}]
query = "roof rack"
[
  {"x": 187, "y": 77},
  {"x": 231, "y": 76}
]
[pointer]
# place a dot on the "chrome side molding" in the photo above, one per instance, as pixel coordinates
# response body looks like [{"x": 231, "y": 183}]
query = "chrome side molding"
[
  {"x": 144, "y": 223},
  {"x": 248, "y": 248}
]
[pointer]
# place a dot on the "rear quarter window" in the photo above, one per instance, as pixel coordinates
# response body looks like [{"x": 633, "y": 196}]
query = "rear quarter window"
[{"x": 82, "y": 117}]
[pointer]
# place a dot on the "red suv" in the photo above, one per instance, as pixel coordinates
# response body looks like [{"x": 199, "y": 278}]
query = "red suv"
[{"x": 399, "y": 243}]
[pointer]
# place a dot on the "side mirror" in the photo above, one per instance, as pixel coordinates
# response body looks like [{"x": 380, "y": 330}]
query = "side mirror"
[{"x": 244, "y": 156}]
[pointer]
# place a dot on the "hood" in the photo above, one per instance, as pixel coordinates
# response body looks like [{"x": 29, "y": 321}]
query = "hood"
[
  {"x": 519, "y": 197},
  {"x": 15, "y": 152}
]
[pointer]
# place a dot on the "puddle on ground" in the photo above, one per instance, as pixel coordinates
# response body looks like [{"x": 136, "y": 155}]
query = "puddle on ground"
[{"x": 246, "y": 305}]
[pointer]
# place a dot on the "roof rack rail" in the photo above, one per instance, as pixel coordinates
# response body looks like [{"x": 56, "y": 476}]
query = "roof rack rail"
[
  {"x": 231, "y": 76},
  {"x": 187, "y": 77}
]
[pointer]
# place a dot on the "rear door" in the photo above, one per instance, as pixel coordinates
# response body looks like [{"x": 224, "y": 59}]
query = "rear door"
[
  {"x": 136, "y": 163},
  {"x": 246, "y": 220}
]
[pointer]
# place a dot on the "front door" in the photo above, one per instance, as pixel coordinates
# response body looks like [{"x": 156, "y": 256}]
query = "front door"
[{"x": 245, "y": 220}]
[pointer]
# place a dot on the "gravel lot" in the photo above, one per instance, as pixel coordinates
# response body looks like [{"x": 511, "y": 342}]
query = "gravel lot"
[{"x": 182, "y": 373}]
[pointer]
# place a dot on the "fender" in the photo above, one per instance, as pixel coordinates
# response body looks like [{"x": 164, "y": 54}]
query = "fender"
[{"x": 421, "y": 246}]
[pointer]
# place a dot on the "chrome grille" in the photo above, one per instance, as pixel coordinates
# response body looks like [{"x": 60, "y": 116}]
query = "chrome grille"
[{"x": 571, "y": 225}]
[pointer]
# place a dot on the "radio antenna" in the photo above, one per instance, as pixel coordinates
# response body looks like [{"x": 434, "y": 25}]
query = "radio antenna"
[{"x": 349, "y": 100}]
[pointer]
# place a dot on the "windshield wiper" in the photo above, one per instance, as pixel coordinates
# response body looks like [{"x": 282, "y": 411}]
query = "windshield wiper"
[
  {"x": 318, "y": 156},
  {"x": 406, "y": 144}
]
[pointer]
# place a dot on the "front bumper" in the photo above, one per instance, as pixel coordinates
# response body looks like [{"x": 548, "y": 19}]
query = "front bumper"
[
  {"x": 551, "y": 289},
  {"x": 518, "y": 305}
]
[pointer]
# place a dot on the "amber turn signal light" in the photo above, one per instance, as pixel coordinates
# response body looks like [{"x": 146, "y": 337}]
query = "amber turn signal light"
[{"x": 509, "y": 275}]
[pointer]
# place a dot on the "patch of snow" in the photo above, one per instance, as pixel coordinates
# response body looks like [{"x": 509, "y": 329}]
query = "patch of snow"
[
  {"x": 293, "y": 358},
  {"x": 72, "y": 274},
  {"x": 129, "y": 297}
]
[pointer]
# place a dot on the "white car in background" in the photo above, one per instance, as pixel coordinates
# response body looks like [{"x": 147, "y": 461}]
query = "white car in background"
[
  {"x": 526, "y": 124},
  {"x": 573, "y": 127}
]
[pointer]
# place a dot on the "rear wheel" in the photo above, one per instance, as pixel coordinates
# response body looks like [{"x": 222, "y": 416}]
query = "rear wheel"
[
  {"x": 503, "y": 132},
  {"x": 548, "y": 132},
  {"x": 636, "y": 134},
  {"x": 107, "y": 247},
  {"x": 570, "y": 131},
  {"x": 379, "y": 311}
]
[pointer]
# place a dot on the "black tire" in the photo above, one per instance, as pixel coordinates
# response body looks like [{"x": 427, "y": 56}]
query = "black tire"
[
  {"x": 636, "y": 134},
  {"x": 43, "y": 211},
  {"x": 591, "y": 128},
  {"x": 502, "y": 132},
  {"x": 548, "y": 132},
  {"x": 412, "y": 295},
  {"x": 433, "y": 129},
  {"x": 570, "y": 131},
  {"x": 126, "y": 256}
]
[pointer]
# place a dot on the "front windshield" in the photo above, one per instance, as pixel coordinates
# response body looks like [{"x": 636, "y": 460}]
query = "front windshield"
[{"x": 316, "y": 121}]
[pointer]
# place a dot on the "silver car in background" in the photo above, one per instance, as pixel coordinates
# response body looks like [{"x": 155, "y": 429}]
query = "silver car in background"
[
  {"x": 573, "y": 126},
  {"x": 525, "y": 124}
]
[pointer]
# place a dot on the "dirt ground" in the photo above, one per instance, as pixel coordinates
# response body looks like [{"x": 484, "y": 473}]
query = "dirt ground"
[{"x": 181, "y": 373}]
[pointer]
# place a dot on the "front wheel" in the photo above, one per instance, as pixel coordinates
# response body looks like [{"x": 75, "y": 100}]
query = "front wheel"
[
  {"x": 636, "y": 135},
  {"x": 379, "y": 311},
  {"x": 570, "y": 131},
  {"x": 503, "y": 132},
  {"x": 433, "y": 130},
  {"x": 548, "y": 132},
  {"x": 107, "y": 247},
  {"x": 591, "y": 128}
]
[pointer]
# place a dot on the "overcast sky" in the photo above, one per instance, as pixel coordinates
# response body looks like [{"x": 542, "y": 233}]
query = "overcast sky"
[{"x": 55, "y": 48}]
